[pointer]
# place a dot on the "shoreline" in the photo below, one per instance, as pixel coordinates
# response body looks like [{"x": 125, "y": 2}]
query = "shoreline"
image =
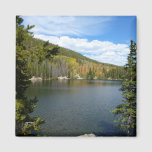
[{"x": 39, "y": 79}]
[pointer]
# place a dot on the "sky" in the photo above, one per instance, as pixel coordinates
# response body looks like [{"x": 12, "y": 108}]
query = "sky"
[{"x": 102, "y": 38}]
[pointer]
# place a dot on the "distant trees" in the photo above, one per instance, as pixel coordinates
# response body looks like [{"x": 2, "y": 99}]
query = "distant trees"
[
  {"x": 49, "y": 61},
  {"x": 69, "y": 74},
  {"x": 127, "y": 110},
  {"x": 52, "y": 66},
  {"x": 114, "y": 73},
  {"x": 91, "y": 74}
]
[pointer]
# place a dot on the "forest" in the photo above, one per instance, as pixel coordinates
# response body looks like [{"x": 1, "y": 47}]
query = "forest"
[{"x": 50, "y": 61}]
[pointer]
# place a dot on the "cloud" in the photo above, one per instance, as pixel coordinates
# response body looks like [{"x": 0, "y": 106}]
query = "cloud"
[
  {"x": 68, "y": 25},
  {"x": 103, "y": 51}
]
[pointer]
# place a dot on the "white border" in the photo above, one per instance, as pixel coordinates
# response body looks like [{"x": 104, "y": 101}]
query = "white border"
[{"x": 8, "y": 10}]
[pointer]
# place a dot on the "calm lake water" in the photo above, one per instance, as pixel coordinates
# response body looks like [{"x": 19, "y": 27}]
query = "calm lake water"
[{"x": 77, "y": 107}]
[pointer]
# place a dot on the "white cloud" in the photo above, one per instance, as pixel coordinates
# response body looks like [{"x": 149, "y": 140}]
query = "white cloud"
[{"x": 103, "y": 51}]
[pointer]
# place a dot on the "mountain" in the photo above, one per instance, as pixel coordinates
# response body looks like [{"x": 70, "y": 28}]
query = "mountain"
[{"x": 50, "y": 61}]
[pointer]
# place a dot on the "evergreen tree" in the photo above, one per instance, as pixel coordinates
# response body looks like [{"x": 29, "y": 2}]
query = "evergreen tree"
[
  {"x": 127, "y": 110},
  {"x": 69, "y": 74},
  {"x": 25, "y": 125},
  {"x": 90, "y": 74}
]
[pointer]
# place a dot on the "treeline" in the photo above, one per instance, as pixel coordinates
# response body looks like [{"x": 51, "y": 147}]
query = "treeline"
[{"x": 51, "y": 61}]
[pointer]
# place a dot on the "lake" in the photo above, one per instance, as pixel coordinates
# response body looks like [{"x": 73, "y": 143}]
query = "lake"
[{"x": 77, "y": 107}]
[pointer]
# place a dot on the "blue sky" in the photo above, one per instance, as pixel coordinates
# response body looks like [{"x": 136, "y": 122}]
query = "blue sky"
[{"x": 103, "y": 38}]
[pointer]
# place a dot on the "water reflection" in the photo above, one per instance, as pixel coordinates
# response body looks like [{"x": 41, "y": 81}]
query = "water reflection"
[{"x": 74, "y": 83}]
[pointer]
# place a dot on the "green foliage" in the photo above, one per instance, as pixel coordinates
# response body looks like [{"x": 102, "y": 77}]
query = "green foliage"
[
  {"x": 24, "y": 106},
  {"x": 127, "y": 110},
  {"x": 115, "y": 73},
  {"x": 22, "y": 76},
  {"x": 32, "y": 128},
  {"x": 91, "y": 74},
  {"x": 69, "y": 74}
]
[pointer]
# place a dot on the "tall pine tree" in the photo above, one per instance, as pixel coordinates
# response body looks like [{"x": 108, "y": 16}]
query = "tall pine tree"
[
  {"x": 25, "y": 125},
  {"x": 127, "y": 110}
]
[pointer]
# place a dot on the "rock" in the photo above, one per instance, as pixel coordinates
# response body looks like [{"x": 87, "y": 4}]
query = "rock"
[
  {"x": 35, "y": 79},
  {"x": 88, "y": 135},
  {"x": 63, "y": 78},
  {"x": 77, "y": 76},
  {"x": 95, "y": 78}
]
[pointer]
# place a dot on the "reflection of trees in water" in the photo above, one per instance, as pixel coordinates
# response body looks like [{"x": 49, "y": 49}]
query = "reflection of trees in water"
[{"x": 74, "y": 83}]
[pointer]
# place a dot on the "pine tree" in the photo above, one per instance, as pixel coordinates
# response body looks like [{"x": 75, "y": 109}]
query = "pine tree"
[
  {"x": 25, "y": 125},
  {"x": 127, "y": 110},
  {"x": 90, "y": 74},
  {"x": 69, "y": 74}
]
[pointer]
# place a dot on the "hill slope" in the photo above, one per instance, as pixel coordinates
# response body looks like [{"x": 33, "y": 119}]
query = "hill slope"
[{"x": 49, "y": 61}]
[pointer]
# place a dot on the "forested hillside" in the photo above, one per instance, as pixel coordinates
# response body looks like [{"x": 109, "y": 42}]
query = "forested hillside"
[{"x": 50, "y": 61}]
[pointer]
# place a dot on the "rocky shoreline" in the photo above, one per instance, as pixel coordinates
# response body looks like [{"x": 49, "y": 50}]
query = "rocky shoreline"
[{"x": 35, "y": 79}]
